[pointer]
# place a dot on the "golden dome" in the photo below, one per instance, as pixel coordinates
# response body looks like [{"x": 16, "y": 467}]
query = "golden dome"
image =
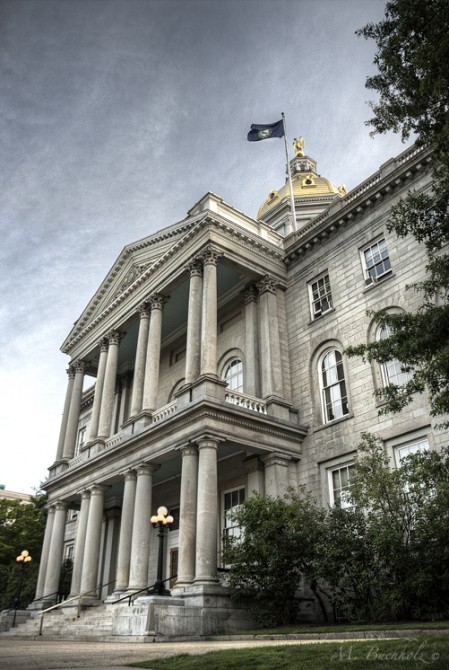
[{"x": 305, "y": 185}]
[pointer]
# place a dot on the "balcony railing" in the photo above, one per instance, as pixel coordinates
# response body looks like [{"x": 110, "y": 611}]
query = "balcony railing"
[
  {"x": 246, "y": 401},
  {"x": 164, "y": 412}
]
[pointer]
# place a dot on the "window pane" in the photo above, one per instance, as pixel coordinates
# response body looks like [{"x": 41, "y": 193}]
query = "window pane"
[
  {"x": 333, "y": 386},
  {"x": 377, "y": 260},
  {"x": 321, "y": 296},
  {"x": 234, "y": 376}
]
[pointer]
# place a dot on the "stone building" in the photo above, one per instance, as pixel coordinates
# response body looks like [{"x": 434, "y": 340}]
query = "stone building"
[{"x": 216, "y": 349}]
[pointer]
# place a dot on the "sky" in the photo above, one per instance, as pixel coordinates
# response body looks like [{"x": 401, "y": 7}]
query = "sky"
[{"x": 116, "y": 117}]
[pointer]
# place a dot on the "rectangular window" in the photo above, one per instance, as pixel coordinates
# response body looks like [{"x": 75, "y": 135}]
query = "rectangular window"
[
  {"x": 81, "y": 439},
  {"x": 376, "y": 262},
  {"x": 69, "y": 552},
  {"x": 231, "y": 502},
  {"x": 404, "y": 450},
  {"x": 320, "y": 296},
  {"x": 340, "y": 484}
]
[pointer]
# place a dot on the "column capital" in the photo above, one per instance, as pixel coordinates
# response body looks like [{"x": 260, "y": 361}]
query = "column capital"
[
  {"x": 60, "y": 506},
  {"x": 129, "y": 475},
  {"x": 267, "y": 284},
  {"x": 195, "y": 267},
  {"x": 147, "y": 468},
  {"x": 210, "y": 255},
  {"x": 85, "y": 494},
  {"x": 189, "y": 450},
  {"x": 71, "y": 371},
  {"x": 250, "y": 294},
  {"x": 103, "y": 344},
  {"x": 80, "y": 366},
  {"x": 144, "y": 310},
  {"x": 208, "y": 440},
  {"x": 115, "y": 337},
  {"x": 157, "y": 301},
  {"x": 98, "y": 489}
]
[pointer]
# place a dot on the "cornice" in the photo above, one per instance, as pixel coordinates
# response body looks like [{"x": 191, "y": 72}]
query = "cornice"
[
  {"x": 200, "y": 420},
  {"x": 392, "y": 175}
]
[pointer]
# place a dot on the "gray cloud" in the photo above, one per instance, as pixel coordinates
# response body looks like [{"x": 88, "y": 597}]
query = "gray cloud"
[{"x": 116, "y": 116}]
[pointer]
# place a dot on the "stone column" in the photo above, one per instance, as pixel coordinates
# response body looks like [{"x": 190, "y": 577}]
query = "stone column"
[
  {"x": 93, "y": 540},
  {"x": 151, "y": 382},
  {"x": 140, "y": 543},
  {"x": 74, "y": 411},
  {"x": 270, "y": 349},
  {"x": 107, "y": 400},
  {"x": 125, "y": 382},
  {"x": 80, "y": 542},
  {"x": 207, "y": 512},
  {"x": 251, "y": 378},
  {"x": 55, "y": 552},
  {"x": 94, "y": 421},
  {"x": 276, "y": 474},
  {"x": 209, "y": 314},
  {"x": 126, "y": 532},
  {"x": 187, "y": 515},
  {"x": 139, "y": 364},
  {"x": 193, "y": 349},
  {"x": 116, "y": 406},
  {"x": 65, "y": 414},
  {"x": 255, "y": 479},
  {"x": 45, "y": 553}
]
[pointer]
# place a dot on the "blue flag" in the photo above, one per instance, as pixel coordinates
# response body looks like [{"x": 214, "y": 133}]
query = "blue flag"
[{"x": 261, "y": 131}]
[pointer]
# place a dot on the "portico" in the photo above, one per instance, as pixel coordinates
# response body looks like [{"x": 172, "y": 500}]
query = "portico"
[{"x": 165, "y": 425}]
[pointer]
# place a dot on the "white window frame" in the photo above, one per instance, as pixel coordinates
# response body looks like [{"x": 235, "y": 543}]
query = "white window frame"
[
  {"x": 391, "y": 371},
  {"x": 81, "y": 439},
  {"x": 403, "y": 450},
  {"x": 377, "y": 265},
  {"x": 320, "y": 295},
  {"x": 226, "y": 512},
  {"x": 69, "y": 551},
  {"x": 347, "y": 469},
  {"x": 234, "y": 378},
  {"x": 334, "y": 392}
]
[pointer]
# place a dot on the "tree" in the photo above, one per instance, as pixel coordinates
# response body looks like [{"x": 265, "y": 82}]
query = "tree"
[
  {"x": 407, "y": 515},
  {"x": 22, "y": 526},
  {"x": 413, "y": 86},
  {"x": 275, "y": 549}
]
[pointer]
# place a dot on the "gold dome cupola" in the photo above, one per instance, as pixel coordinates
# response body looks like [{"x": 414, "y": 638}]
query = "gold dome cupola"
[{"x": 312, "y": 194}]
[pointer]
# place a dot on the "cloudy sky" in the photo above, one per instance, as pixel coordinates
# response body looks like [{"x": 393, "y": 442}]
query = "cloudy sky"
[{"x": 116, "y": 117}]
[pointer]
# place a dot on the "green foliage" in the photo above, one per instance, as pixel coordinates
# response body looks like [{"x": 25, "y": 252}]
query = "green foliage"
[
  {"x": 406, "y": 513},
  {"x": 384, "y": 557},
  {"x": 276, "y": 548},
  {"x": 22, "y": 526},
  {"x": 413, "y": 87}
]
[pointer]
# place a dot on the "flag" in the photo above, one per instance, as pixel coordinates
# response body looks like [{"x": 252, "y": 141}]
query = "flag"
[{"x": 265, "y": 131}]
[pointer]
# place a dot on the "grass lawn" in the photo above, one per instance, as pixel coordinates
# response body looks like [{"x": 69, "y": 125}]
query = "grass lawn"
[
  {"x": 414, "y": 653},
  {"x": 348, "y": 628}
]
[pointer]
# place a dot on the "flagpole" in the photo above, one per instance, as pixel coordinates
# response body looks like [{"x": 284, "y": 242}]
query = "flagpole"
[{"x": 292, "y": 201}]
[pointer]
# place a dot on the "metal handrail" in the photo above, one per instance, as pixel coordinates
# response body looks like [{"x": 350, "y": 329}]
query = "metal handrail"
[
  {"x": 64, "y": 602},
  {"x": 148, "y": 589}
]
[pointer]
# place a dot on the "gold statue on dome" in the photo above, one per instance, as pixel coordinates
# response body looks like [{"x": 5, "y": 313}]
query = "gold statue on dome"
[{"x": 298, "y": 145}]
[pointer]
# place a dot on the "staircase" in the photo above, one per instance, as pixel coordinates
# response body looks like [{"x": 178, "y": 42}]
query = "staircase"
[{"x": 103, "y": 623}]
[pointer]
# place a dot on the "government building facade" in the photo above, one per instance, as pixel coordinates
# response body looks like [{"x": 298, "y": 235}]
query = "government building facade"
[{"x": 216, "y": 348}]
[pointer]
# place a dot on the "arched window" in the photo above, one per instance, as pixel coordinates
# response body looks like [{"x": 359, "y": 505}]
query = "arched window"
[
  {"x": 333, "y": 386},
  {"x": 233, "y": 375},
  {"x": 391, "y": 371}
]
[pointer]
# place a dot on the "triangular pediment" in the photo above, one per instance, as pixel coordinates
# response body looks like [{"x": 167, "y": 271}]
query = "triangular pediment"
[{"x": 134, "y": 260}]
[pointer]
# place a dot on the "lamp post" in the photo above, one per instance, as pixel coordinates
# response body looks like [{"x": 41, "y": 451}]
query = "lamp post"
[
  {"x": 23, "y": 560},
  {"x": 161, "y": 521}
]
